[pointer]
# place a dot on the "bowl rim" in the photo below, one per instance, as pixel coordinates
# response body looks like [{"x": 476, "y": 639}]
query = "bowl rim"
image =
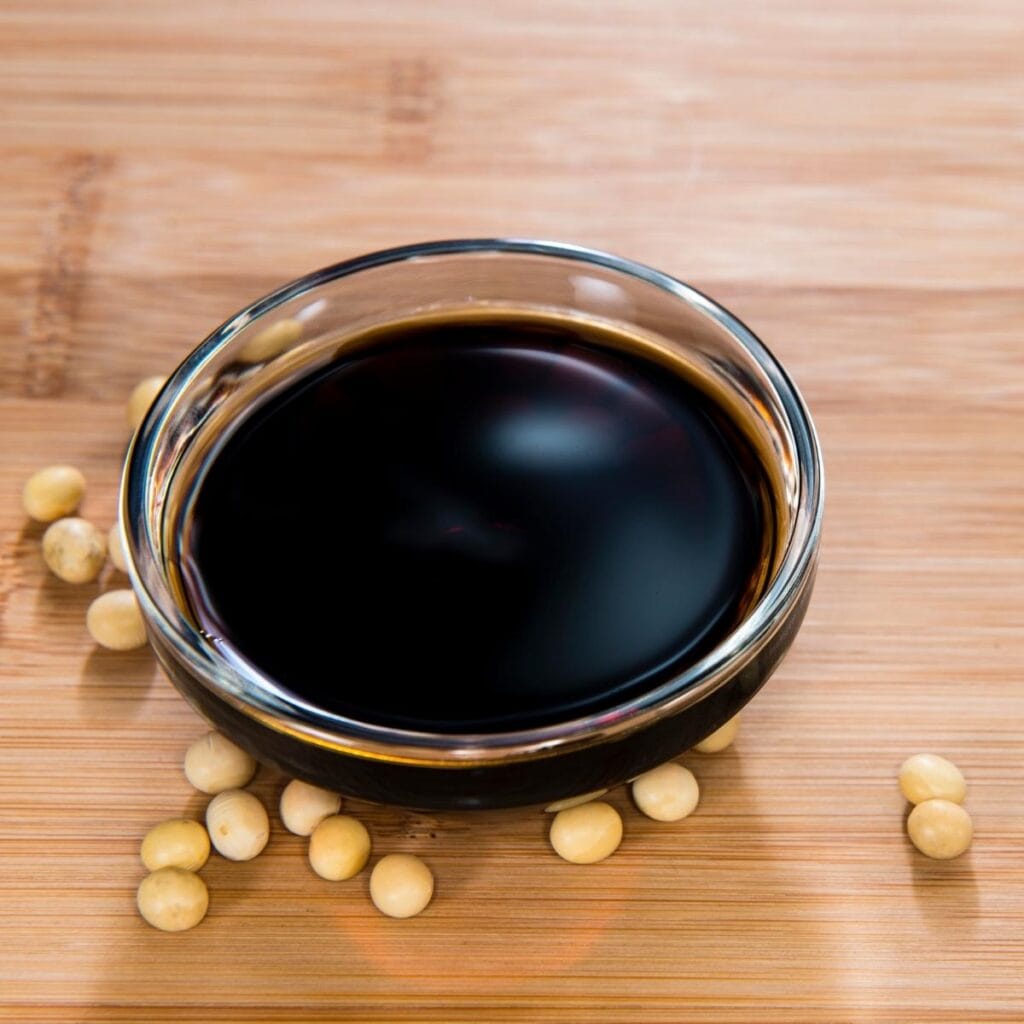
[{"x": 249, "y": 693}]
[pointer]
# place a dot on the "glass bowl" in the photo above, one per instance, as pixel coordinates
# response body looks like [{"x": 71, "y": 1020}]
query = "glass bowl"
[{"x": 287, "y": 334}]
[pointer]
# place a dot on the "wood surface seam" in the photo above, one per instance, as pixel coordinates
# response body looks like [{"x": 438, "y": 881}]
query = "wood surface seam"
[{"x": 62, "y": 271}]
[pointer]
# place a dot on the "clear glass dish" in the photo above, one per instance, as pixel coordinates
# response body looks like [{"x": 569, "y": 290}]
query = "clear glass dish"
[{"x": 285, "y": 335}]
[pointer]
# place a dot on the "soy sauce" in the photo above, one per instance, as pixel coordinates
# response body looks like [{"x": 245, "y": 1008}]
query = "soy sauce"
[{"x": 489, "y": 523}]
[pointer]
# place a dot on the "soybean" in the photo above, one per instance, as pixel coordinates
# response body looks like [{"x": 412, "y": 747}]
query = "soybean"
[
  {"x": 53, "y": 492},
  {"x": 238, "y": 824},
  {"x": 176, "y": 843},
  {"x": 213, "y": 764},
  {"x": 720, "y": 738},
  {"x": 173, "y": 899},
  {"x": 74, "y": 550},
  {"x": 587, "y": 833},
  {"x": 141, "y": 399},
  {"x": 114, "y": 621},
  {"x": 339, "y": 847},
  {"x": 940, "y": 829},
  {"x": 401, "y": 885},
  {"x": 303, "y": 806},
  {"x": 930, "y": 777},
  {"x": 667, "y": 793}
]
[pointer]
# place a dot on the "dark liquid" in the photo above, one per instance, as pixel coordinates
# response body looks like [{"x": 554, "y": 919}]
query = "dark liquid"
[{"x": 479, "y": 524}]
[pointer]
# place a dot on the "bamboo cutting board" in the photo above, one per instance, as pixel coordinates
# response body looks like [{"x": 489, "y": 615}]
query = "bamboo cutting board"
[{"x": 845, "y": 176}]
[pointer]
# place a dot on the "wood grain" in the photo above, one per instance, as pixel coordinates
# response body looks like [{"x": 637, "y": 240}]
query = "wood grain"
[{"x": 847, "y": 177}]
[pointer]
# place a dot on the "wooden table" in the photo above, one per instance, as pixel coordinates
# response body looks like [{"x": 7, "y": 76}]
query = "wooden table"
[{"x": 847, "y": 177}]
